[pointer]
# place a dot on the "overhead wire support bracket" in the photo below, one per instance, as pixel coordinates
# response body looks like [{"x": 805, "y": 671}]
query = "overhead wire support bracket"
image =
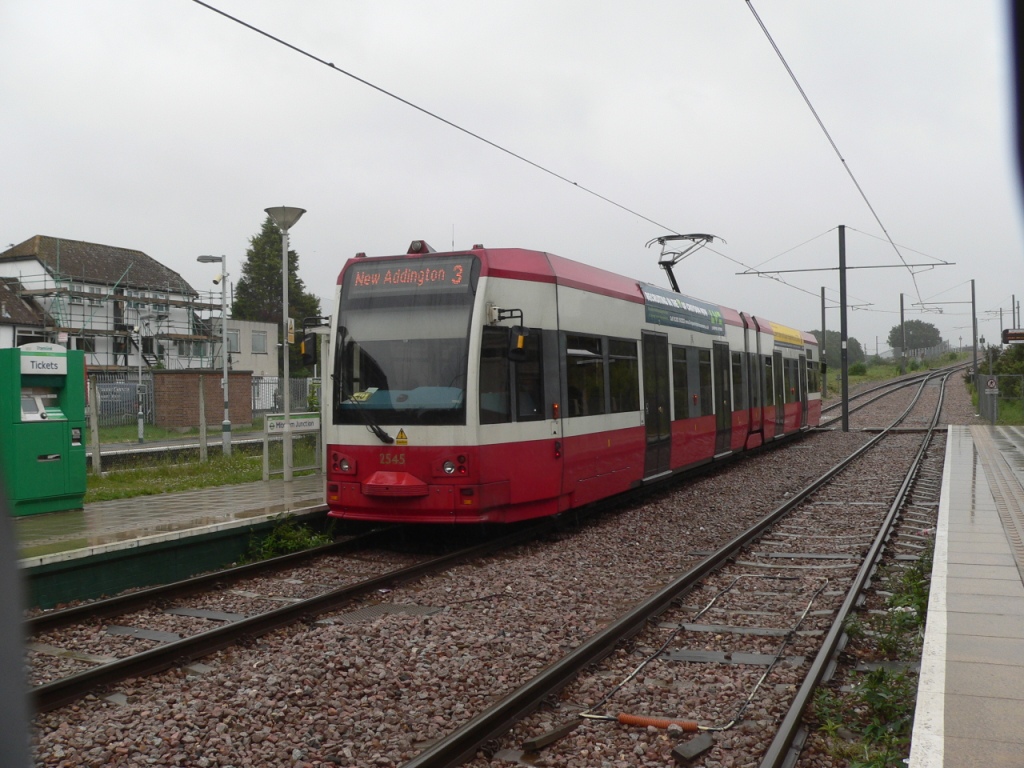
[
  {"x": 760, "y": 272},
  {"x": 671, "y": 256}
]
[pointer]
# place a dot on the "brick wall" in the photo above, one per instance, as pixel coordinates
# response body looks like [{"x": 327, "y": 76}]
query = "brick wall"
[{"x": 176, "y": 397}]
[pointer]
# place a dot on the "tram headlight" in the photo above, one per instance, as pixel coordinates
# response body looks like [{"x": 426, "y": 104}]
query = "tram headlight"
[
  {"x": 342, "y": 463},
  {"x": 452, "y": 467}
]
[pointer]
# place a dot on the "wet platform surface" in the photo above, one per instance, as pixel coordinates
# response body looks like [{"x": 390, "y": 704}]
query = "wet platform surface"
[
  {"x": 109, "y": 525},
  {"x": 970, "y": 705}
]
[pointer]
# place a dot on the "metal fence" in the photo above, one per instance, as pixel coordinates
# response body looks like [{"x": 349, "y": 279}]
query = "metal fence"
[
  {"x": 925, "y": 353},
  {"x": 267, "y": 396},
  {"x": 118, "y": 395},
  {"x": 994, "y": 389}
]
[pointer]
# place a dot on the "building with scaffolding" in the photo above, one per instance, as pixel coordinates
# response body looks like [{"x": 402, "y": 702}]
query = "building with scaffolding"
[
  {"x": 18, "y": 316},
  {"x": 121, "y": 307}
]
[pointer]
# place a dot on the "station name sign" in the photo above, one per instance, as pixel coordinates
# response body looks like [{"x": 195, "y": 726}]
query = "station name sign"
[
  {"x": 44, "y": 359},
  {"x": 301, "y": 422}
]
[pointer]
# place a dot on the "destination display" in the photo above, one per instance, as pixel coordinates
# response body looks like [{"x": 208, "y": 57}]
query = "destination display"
[
  {"x": 673, "y": 309},
  {"x": 405, "y": 276}
]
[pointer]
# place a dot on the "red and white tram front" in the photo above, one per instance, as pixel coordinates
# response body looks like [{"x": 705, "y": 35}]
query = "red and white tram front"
[{"x": 397, "y": 443}]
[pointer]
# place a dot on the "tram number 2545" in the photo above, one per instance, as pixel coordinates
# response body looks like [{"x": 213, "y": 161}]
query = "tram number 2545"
[{"x": 391, "y": 459}]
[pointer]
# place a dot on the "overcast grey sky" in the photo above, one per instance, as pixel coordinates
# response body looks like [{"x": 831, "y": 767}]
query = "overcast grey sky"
[{"x": 163, "y": 126}]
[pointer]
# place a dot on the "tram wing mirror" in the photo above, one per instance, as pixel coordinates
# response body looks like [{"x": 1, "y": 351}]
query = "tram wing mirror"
[
  {"x": 517, "y": 343},
  {"x": 308, "y": 347}
]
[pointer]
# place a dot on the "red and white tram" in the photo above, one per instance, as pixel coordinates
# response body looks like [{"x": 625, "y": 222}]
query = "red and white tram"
[{"x": 497, "y": 385}]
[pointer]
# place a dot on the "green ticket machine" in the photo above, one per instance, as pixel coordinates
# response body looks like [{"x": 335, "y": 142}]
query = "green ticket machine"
[{"x": 42, "y": 428}]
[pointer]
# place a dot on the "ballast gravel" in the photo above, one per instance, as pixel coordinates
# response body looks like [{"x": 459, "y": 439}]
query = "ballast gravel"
[{"x": 375, "y": 693}]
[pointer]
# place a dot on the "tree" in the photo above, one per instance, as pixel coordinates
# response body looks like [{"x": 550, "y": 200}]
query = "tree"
[
  {"x": 1008, "y": 363},
  {"x": 920, "y": 335},
  {"x": 258, "y": 292},
  {"x": 833, "y": 347}
]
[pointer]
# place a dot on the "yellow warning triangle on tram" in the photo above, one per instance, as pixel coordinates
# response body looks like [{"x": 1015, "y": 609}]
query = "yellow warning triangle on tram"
[{"x": 401, "y": 438}]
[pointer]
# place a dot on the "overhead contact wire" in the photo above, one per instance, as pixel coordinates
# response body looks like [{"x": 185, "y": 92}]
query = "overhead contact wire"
[
  {"x": 434, "y": 115},
  {"x": 835, "y": 148},
  {"x": 331, "y": 65}
]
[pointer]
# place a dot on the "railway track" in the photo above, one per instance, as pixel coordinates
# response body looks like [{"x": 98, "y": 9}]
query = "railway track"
[
  {"x": 75, "y": 651},
  {"x": 243, "y": 603},
  {"x": 765, "y": 610},
  {"x": 865, "y": 398},
  {"x": 491, "y": 630}
]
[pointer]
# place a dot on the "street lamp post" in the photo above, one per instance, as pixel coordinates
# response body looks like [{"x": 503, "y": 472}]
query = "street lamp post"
[
  {"x": 225, "y": 427},
  {"x": 285, "y": 217},
  {"x": 138, "y": 389}
]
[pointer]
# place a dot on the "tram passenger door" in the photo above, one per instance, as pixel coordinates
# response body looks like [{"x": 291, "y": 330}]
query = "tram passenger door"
[
  {"x": 723, "y": 397},
  {"x": 780, "y": 393},
  {"x": 803, "y": 391},
  {"x": 656, "y": 404}
]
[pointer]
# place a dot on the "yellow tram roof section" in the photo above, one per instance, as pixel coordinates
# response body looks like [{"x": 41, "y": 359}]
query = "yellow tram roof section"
[{"x": 786, "y": 335}]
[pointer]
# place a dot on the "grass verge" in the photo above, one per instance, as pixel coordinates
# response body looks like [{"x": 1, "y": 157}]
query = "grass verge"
[
  {"x": 286, "y": 537},
  {"x": 166, "y": 476},
  {"x": 867, "y": 721},
  {"x": 156, "y": 475}
]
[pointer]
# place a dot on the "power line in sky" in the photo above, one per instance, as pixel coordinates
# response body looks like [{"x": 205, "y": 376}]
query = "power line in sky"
[
  {"x": 835, "y": 148},
  {"x": 434, "y": 115},
  {"x": 478, "y": 137}
]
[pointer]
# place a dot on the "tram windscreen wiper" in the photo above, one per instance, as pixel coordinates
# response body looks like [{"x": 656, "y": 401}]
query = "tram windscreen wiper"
[
  {"x": 374, "y": 427},
  {"x": 371, "y": 425}
]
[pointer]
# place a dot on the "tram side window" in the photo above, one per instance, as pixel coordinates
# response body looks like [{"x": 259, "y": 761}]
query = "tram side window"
[
  {"x": 584, "y": 366},
  {"x": 755, "y": 381},
  {"x": 623, "y": 375},
  {"x": 780, "y": 383},
  {"x": 739, "y": 381},
  {"x": 792, "y": 378},
  {"x": 529, "y": 377},
  {"x": 813, "y": 376},
  {"x": 494, "y": 376},
  {"x": 680, "y": 383},
  {"x": 707, "y": 407},
  {"x": 769, "y": 381}
]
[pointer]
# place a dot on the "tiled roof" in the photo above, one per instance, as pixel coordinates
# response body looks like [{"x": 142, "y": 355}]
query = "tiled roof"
[
  {"x": 99, "y": 264},
  {"x": 15, "y": 310}
]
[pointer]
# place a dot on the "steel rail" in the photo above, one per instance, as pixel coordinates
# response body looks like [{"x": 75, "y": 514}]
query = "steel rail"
[
  {"x": 884, "y": 390},
  {"x": 893, "y": 385},
  {"x": 780, "y": 747},
  {"x": 119, "y": 604},
  {"x": 464, "y": 741},
  {"x": 55, "y": 694}
]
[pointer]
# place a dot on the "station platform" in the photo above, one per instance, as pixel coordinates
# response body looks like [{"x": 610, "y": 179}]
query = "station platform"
[
  {"x": 108, "y": 526},
  {"x": 970, "y": 703}
]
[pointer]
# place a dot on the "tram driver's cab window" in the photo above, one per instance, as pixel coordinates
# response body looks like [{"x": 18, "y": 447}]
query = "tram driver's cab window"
[
  {"x": 495, "y": 401},
  {"x": 507, "y": 387},
  {"x": 529, "y": 379}
]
